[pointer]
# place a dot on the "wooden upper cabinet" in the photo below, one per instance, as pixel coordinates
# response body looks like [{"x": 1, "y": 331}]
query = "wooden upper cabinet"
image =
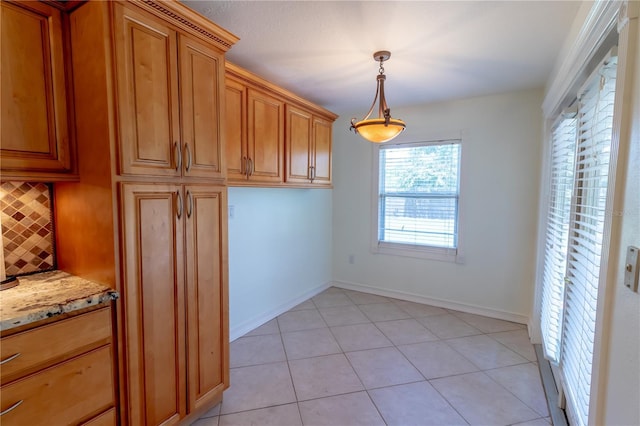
[
  {"x": 265, "y": 137},
  {"x": 236, "y": 130},
  {"x": 35, "y": 129},
  {"x": 299, "y": 145},
  {"x": 170, "y": 89},
  {"x": 153, "y": 297},
  {"x": 273, "y": 137},
  {"x": 206, "y": 303},
  {"x": 147, "y": 81},
  {"x": 322, "y": 149},
  {"x": 308, "y": 147},
  {"x": 201, "y": 89}
]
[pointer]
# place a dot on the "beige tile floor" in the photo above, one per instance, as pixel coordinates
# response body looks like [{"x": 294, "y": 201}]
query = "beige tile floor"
[{"x": 347, "y": 358}]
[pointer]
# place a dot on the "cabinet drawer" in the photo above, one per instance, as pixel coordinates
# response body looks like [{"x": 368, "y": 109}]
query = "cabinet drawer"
[
  {"x": 40, "y": 347},
  {"x": 63, "y": 394},
  {"x": 108, "y": 418}
]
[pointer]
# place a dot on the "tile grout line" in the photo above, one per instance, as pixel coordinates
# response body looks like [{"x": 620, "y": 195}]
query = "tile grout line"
[
  {"x": 293, "y": 383},
  {"x": 393, "y": 345}
]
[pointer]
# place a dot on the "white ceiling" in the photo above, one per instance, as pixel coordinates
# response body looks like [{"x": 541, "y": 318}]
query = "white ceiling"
[{"x": 322, "y": 50}]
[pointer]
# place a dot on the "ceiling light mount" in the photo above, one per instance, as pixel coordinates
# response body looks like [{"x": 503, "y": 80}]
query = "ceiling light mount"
[{"x": 384, "y": 128}]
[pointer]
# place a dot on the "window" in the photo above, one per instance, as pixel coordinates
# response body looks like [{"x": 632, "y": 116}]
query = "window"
[
  {"x": 593, "y": 151},
  {"x": 563, "y": 152},
  {"x": 579, "y": 181},
  {"x": 418, "y": 194}
]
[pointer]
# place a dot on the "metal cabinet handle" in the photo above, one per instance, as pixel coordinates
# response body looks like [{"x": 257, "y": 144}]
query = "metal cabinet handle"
[
  {"x": 313, "y": 173},
  {"x": 247, "y": 167},
  {"x": 189, "y": 204},
  {"x": 13, "y": 407},
  {"x": 244, "y": 165},
  {"x": 179, "y": 204},
  {"x": 177, "y": 155},
  {"x": 188, "y": 150},
  {"x": 11, "y": 358},
  {"x": 250, "y": 167}
]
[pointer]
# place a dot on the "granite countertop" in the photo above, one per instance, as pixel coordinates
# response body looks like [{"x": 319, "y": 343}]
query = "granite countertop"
[{"x": 47, "y": 294}]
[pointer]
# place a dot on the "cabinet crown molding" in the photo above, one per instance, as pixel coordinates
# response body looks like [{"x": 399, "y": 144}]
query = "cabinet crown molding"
[{"x": 191, "y": 21}]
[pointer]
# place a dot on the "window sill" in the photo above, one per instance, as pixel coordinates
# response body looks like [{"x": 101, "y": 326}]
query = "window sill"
[{"x": 430, "y": 253}]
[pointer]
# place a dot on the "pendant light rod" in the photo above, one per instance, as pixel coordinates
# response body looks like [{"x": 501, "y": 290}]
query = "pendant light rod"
[{"x": 381, "y": 56}]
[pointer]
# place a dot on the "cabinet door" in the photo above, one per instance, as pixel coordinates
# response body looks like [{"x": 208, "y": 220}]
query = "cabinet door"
[
  {"x": 153, "y": 298},
  {"x": 34, "y": 129},
  {"x": 265, "y": 138},
  {"x": 235, "y": 121},
  {"x": 201, "y": 88},
  {"x": 298, "y": 145},
  {"x": 206, "y": 305},
  {"x": 322, "y": 151},
  {"x": 147, "y": 83}
]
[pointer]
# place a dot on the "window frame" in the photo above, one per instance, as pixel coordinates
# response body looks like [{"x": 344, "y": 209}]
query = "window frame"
[{"x": 443, "y": 254}]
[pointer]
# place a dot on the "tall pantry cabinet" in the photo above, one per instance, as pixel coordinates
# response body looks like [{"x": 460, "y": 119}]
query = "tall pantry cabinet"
[{"x": 149, "y": 213}]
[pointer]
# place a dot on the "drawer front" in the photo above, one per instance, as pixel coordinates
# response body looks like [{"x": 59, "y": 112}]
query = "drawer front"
[
  {"x": 63, "y": 394},
  {"x": 41, "y": 347},
  {"x": 108, "y": 418}
]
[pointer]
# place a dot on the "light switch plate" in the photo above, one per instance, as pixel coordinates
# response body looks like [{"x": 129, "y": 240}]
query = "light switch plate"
[{"x": 631, "y": 268}]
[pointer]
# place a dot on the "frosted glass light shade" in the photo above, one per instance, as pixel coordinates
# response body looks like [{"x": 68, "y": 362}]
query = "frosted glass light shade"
[{"x": 376, "y": 130}]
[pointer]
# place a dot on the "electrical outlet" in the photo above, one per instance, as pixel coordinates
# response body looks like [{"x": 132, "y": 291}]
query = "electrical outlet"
[
  {"x": 352, "y": 259},
  {"x": 232, "y": 211}
]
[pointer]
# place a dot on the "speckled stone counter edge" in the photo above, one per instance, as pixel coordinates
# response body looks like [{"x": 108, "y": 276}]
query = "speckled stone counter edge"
[{"x": 48, "y": 294}]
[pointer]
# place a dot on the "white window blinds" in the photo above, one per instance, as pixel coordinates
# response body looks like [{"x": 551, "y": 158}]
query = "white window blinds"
[
  {"x": 418, "y": 194},
  {"x": 563, "y": 151},
  {"x": 595, "y": 122}
]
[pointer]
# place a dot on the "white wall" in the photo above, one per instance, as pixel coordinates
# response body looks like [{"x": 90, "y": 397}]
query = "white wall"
[
  {"x": 279, "y": 251},
  {"x": 501, "y": 153}
]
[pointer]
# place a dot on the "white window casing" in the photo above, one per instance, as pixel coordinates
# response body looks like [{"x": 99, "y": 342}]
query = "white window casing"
[{"x": 416, "y": 199}]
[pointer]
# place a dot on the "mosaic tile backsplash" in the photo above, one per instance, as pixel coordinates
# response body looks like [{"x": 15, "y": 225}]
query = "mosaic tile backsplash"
[{"x": 27, "y": 228}]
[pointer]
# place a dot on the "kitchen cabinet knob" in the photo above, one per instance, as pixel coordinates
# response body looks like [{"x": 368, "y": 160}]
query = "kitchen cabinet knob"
[
  {"x": 13, "y": 407},
  {"x": 11, "y": 358},
  {"x": 179, "y": 204},
  {"x": 177, "y": 156},
  {"x": 188, "y": 151}
]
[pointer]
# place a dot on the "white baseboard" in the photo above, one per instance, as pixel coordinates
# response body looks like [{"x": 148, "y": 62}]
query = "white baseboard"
[
  {"x": 253, "y": 323},
  {"x": 462, "y": 307}
]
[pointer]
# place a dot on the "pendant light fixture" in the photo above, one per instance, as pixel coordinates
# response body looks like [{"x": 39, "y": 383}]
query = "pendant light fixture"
[{"x": 384, "y": 128}]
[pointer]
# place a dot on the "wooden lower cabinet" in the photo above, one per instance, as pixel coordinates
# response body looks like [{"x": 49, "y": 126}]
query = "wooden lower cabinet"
[
  {"x": 206, "y": 302},
  {"x": 108, "y": 418},
  {"x": 70, "y": 382},
  {"x": 175, "y": 299},
  {"x": 67, "y": 384}
]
